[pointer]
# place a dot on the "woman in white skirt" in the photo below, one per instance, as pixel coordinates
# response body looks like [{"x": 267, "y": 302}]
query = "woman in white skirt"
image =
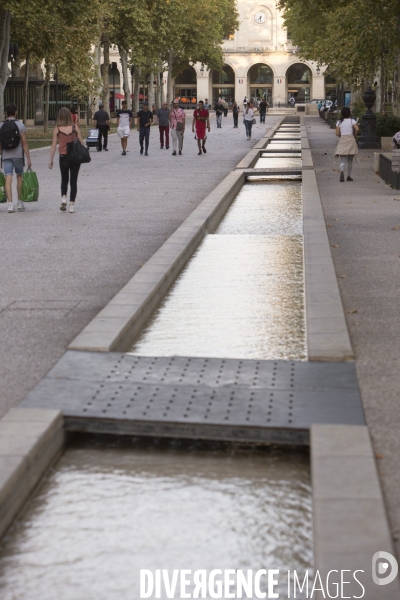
[{"x": 346, "y": 130}]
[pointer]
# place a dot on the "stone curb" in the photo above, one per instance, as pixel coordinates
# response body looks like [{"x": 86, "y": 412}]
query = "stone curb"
[
  {"x": 117, "y": 325},
  {"x": 350, "y": 522},
  {"x": 327, "y": 335},
  {"x": 30, "y": 441}
]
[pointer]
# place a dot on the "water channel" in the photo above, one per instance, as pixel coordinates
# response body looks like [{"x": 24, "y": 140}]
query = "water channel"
[{"x": 111, "y": 507}]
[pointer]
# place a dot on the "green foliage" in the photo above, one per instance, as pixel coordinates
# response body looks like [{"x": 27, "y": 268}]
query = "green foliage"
[
  {"x": 387, "y": 126},
  {"x": 356, "y": 39},
  {"x": 358, "y": 109}
]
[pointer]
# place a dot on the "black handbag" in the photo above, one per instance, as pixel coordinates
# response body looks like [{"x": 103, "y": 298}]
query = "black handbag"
[{"x": 77, "y": 154}]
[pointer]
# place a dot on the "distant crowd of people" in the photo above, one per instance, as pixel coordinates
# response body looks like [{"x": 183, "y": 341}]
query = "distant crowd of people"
[{"x": 171, "y": 123}]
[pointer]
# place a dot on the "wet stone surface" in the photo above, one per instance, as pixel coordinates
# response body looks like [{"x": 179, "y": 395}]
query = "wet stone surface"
[{"x": 111, "y": 507}]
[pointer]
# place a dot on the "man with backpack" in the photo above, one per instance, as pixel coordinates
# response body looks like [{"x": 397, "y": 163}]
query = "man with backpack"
[{"x": 14, "y": 145}]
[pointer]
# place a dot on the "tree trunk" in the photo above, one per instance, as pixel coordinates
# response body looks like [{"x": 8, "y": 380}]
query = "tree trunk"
[
  {"x": 26, "y": 86},
  {"x": 169, "y": 84},
  {"x": 396, "y": 89},
  {"x": 136, "y": 89},
  {"x": 16, "y": 67},
  {"x": 106, "y": 68},
  {"x": 151, "y": 91},
  {"x": 4, "y": 45},
  {"x": 125, "y": 73},
  {"x": 158, "y": 90},
  {"x": 46, "y": 98},
  {"x": 95, "y": 97}
]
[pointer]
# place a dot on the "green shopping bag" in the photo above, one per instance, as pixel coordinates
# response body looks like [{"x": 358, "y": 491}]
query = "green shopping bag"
[
  {"x": 3, "y": 197},
  {"x": 30, "y": 186}
]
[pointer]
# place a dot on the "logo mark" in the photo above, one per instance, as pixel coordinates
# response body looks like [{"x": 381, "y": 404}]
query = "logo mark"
[{"x": 381, "y": 561}]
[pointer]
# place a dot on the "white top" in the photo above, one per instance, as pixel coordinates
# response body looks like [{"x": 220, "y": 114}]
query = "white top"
[
  {"x": 248, "y": 116},
  {"x": 346, "y": 126}
]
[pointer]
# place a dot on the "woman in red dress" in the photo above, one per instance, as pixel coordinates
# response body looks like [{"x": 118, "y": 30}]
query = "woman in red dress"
[{"x": 201, "y": 120}]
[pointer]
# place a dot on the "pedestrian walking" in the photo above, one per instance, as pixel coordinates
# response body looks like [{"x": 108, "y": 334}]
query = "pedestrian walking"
[
  {"x": 74, "y": 113},
  {"x": 163, "y": 124},
  {"x": 235, "y": 112},
  {"x": 124, "y": 124},
  {"x": 248, "y": 119},
  {"x": 64, "y": 132},
  {"x": 219, "y": 109},
  {"x": 145, "y": 119},
  {"x": 177, "y": 119},
  {"x": 262, "y": 108},
  {"x": 292, "y": 101},
  {"x": 101, "y": 120},
  {"x": 14, "y": 147},
  {"x": 346, "y": 130},
  {"x": 201, "y": 121},
  {"x": 226, "y": 106},
  {"x": 245, "y": 102}
]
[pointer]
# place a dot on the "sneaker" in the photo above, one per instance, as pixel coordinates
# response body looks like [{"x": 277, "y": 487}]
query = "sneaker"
[
  {"x": 105, "y": 149},
  {"x": 72, "y": 208},
  {"x": 10, "y": 207},
  {"x": 20, "y": 205},
  {"x": 161, "y": 147},
  {"x": 146, "y": 153},
  {"x": 167, "y": 147},
  {"x": 123, "y": 153},
  {"x": 63, "y": 206},
  {"x": 141, "y": 152},
  {"x": 174, "y": 153},
  {"x": 349, "y": 178},
  {"x": 342, "y": 176},
  {"x": 180, "y": 152}
]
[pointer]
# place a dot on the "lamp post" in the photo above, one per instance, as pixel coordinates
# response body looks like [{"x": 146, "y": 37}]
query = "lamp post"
[
  {"x": 318, "y": 70},
  {"x": 55, "y": 76},
  {"x": 368, "y": 137},
  {"x": 132, "y": 75},
  {"x": 13, "y": 53}
]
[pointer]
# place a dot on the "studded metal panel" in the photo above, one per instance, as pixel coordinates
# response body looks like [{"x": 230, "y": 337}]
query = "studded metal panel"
[{"x": 288, "y": 395}]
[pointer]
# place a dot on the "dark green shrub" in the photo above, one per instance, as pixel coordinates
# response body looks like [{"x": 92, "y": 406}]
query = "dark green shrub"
[
  {"x": 358, "y": 109},
  {"x": 387, "y": 126}
]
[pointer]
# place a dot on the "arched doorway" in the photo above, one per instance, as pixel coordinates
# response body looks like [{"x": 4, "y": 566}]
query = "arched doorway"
[
  {"x": 261, "y": 79},
  {"x": 223, "y": 84},
  {"x": 185, "y": 86},
  {"x": 298, "y": 78}
]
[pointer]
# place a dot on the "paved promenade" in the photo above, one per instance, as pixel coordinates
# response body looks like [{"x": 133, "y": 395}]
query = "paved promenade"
[
  {"x": 60, "y": 269},
  {"x": 363, "y": 220}
]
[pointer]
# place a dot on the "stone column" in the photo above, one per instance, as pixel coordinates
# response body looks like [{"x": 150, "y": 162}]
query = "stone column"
[
  {"x": 317, "y": 87},
  {"x": 241, "y": 90},
  {"x": 279, "y": 91},
  {"x": 203, "y": 85}
]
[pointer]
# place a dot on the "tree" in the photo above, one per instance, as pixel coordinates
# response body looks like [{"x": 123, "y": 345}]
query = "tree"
[{"x": 355, "y": 39}]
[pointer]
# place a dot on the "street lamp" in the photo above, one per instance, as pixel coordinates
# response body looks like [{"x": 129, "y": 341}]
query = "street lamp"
[
  {"x": 202, "y": 68},
  {"x": 132, "y": 76},
  {"x": 113, "y": 69},
  {"x": 318, "y": 69}
]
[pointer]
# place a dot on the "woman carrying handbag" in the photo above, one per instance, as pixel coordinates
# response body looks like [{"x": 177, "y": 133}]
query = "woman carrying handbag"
[
  {"x": 64, "y": 132},
  {"x": 346, "y": 131}
]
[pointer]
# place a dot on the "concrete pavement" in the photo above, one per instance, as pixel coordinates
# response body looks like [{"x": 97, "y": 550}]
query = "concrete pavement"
[
  {"x": 363, "y": 223},
  {"x": 59, "y": 269}
]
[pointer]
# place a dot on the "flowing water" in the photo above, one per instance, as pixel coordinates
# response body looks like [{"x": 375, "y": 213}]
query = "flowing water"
[{"x": 111, "y": 508}]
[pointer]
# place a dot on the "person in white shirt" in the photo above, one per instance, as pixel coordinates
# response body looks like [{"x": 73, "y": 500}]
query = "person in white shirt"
[
  {"x": 346, "y": 130},
  {"x": 248, "y": 119}
]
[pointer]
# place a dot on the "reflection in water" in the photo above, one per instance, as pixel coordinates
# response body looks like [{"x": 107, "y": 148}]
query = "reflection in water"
[
  {"x": 241, "y": 296},
  {"x": 111, "y": 508},
  {"x": 282, "y": 162},
  {"x": 266, "y": 209},
  {"x": 283, "y": 145}
]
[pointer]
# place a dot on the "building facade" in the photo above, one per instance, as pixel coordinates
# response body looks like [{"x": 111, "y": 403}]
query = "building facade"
[{"x": 260, "y": 60}]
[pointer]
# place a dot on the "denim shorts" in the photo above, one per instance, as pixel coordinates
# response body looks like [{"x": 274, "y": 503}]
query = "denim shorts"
[{"x": 9, "y": 164}]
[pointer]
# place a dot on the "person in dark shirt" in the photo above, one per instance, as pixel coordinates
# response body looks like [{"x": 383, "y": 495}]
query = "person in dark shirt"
[
  {"x": 262, "y": 108},
  {"x": 219, "y": 109},
  {"x": 144, "y": 121},
  {"x": 101, "y": 120}
]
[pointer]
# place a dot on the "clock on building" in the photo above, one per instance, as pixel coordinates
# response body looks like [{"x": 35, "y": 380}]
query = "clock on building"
[{"x": 260, "y": 17}]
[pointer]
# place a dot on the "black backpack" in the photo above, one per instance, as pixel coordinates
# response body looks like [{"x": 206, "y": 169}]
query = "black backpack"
[{"x": 10, "y": 136}]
